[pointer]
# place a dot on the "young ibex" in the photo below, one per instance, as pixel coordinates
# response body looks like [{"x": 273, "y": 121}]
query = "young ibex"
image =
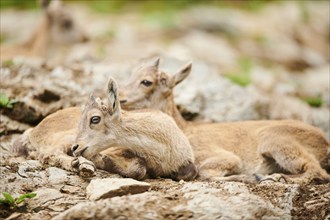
[
  {"x": 151, "y": 135},
  {"x": 56, "y": 28},
  {"x": 226, "y": 149},
  {"x": 151, "y": 144}
]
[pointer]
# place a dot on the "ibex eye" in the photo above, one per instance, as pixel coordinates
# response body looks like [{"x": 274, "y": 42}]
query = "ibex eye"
[
  {"x": 146, "y": 83},
  {"x": 95, "y": 119},
  {"x": 67, "y": 24}
]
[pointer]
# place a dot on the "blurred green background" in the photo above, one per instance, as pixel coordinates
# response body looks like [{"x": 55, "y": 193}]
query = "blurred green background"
[{"x": 106, "y": 6}]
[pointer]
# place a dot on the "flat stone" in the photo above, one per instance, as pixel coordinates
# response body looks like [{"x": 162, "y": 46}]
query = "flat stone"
[
  {"x": 57, "y": 175},
  {"x": 69, "y": 189},
  {"x": 28, "y": 168},
  {"x": 194, "y": 200},
  {"x": 45, "y": 197},
  {"x": 111, "y": 187}
]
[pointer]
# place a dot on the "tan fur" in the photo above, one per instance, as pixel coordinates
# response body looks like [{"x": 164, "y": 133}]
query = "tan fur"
[
  {"x": 151, "y": 143},
  {"x": 223, "y": 149},
  {"x": 51, "y": 141},
  {"x": 151, "y": 135},
  {"x": 56, "y": 28}
]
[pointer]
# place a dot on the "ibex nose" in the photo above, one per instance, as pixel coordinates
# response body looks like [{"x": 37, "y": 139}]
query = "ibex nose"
[
  {"x": 74, "y": 147},
  {"x": 84, "y": 39}
]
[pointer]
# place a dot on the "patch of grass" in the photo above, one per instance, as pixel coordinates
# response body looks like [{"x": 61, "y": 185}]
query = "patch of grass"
[
  {"x": 12, "y": 203},
  {"x": 248, "y": 5},
  {"x": 5, "y": 102},
  {"x": 144, "y": 6},
  {"x": 19, "y": 4},
  {"x": 2, "y": 38},
  {"x": 165, "y": 19},
  {"x": 105, "y": 7},
  {"x": 110, "y": 34},
  {"x": 242, "y": 80},
  {"x": 313, "y": 101},
  {"x": 261, "y": 39},
  {"x": 242, "y": 75},
  {"x": 305, "y": 16},
  {"x": 8, "y": 63}
]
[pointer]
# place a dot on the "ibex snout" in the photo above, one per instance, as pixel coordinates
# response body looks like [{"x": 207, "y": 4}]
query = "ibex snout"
[
  {"x": 78, "y": 150},
  {"x": 74, "y": 147},
  {"x": 84, "y": 38}
]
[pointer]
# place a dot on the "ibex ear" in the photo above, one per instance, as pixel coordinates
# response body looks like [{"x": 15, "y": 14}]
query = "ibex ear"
[
  {"x": 113, "y": 101},
  {"x": 44, "y": 4},
  {"x": 89, "y": 102},
  {"x": 51, "y": 7},
  {"x": 180, "y": 75},
  {"x": 92, "y": 98},
  {"x": 156, "y": 63},
  {"x": 164, "y": 81}
]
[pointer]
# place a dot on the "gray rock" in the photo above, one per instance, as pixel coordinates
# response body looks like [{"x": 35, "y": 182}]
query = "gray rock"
[
  {"x": 45, "y": 197},
  {"x": 195, "y": 200},
  {"x": 111, "y": 187},
  {"x": 28, "y": 168},
  {"x": 207, "y": 93},
  {"x": 57, "y": 175}
]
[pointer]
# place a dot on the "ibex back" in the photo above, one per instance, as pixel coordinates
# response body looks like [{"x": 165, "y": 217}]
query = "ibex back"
[{"x": 225, "y": 149}]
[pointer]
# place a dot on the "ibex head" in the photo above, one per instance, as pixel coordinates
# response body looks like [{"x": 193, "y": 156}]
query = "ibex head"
[
  {"x": 95, "y": 132},
  {"x": 60, "y": 24},
  {"x": 148, "y": 87}
]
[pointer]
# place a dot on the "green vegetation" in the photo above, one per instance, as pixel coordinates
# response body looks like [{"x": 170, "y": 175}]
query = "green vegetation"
[
  {"x": 261, "y": 39},
  {"x": 145, "y": 6},
  {"x": 313, "y": 101},
  {"x": 2, "y": 38},
  {"x": 242, "y": 76},
  {"x": 165, "y": 19},
  {"x": 304, "y": 12},
  {"x": 8, "y": 63},
  {"x": 19, "y": 4},
  {"x": 9, "y": 200},
  {"x": 113, "y": 6},
  {"x": 5, "y": 102}
]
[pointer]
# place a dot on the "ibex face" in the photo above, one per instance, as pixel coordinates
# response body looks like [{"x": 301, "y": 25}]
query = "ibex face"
[
  {"x": 148, "y": 87},
  {"x": 61, "y": 25},
  {"x": 95, "y": 132}
]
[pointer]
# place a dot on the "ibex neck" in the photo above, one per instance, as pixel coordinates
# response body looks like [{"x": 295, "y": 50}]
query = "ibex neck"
[
  {"x": 173, "y": 111},
  {"x": 38, "y": 42}
]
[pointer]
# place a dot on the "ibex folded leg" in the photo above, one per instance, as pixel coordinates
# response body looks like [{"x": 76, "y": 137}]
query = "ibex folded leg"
[{"x": 293, "y": 159}]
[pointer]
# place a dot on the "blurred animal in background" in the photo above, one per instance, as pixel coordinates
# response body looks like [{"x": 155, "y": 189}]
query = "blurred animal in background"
[
  {"x": 150, "y": 144},
  {"x": 57, "y": 29},
  {"x": 235, "y": 150}
]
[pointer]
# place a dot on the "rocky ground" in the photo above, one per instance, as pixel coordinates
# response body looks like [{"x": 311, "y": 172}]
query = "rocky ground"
[{"x": 267, "y": 64}]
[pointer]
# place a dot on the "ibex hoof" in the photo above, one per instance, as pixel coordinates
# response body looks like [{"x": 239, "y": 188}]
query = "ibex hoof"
[
  {"x": 84, "y": 167},
  {"x": 276, "y": 177}
]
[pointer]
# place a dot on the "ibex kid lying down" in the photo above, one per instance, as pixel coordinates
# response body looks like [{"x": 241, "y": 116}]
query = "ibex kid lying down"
[
  {"x": 245, "y": 148},
  {"x": 56, "y": 28},
  {"x": 150, "y": 143}
]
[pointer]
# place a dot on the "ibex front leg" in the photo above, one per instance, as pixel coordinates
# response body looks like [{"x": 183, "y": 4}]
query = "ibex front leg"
[
  {"x": 121, "y": 161},
  {"x": 59, "y": 158}
]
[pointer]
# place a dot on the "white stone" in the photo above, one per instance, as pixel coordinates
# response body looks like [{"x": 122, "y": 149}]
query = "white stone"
[{"x": 111, "y": 187}]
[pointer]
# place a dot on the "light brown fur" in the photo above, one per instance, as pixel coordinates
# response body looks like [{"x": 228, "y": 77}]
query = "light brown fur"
[
  {"x": 151, "y": 143},
  {"x": 225, "y": 149},
  {"x": 151, "y": 135},
  {"x": 56, "y": 28}
]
